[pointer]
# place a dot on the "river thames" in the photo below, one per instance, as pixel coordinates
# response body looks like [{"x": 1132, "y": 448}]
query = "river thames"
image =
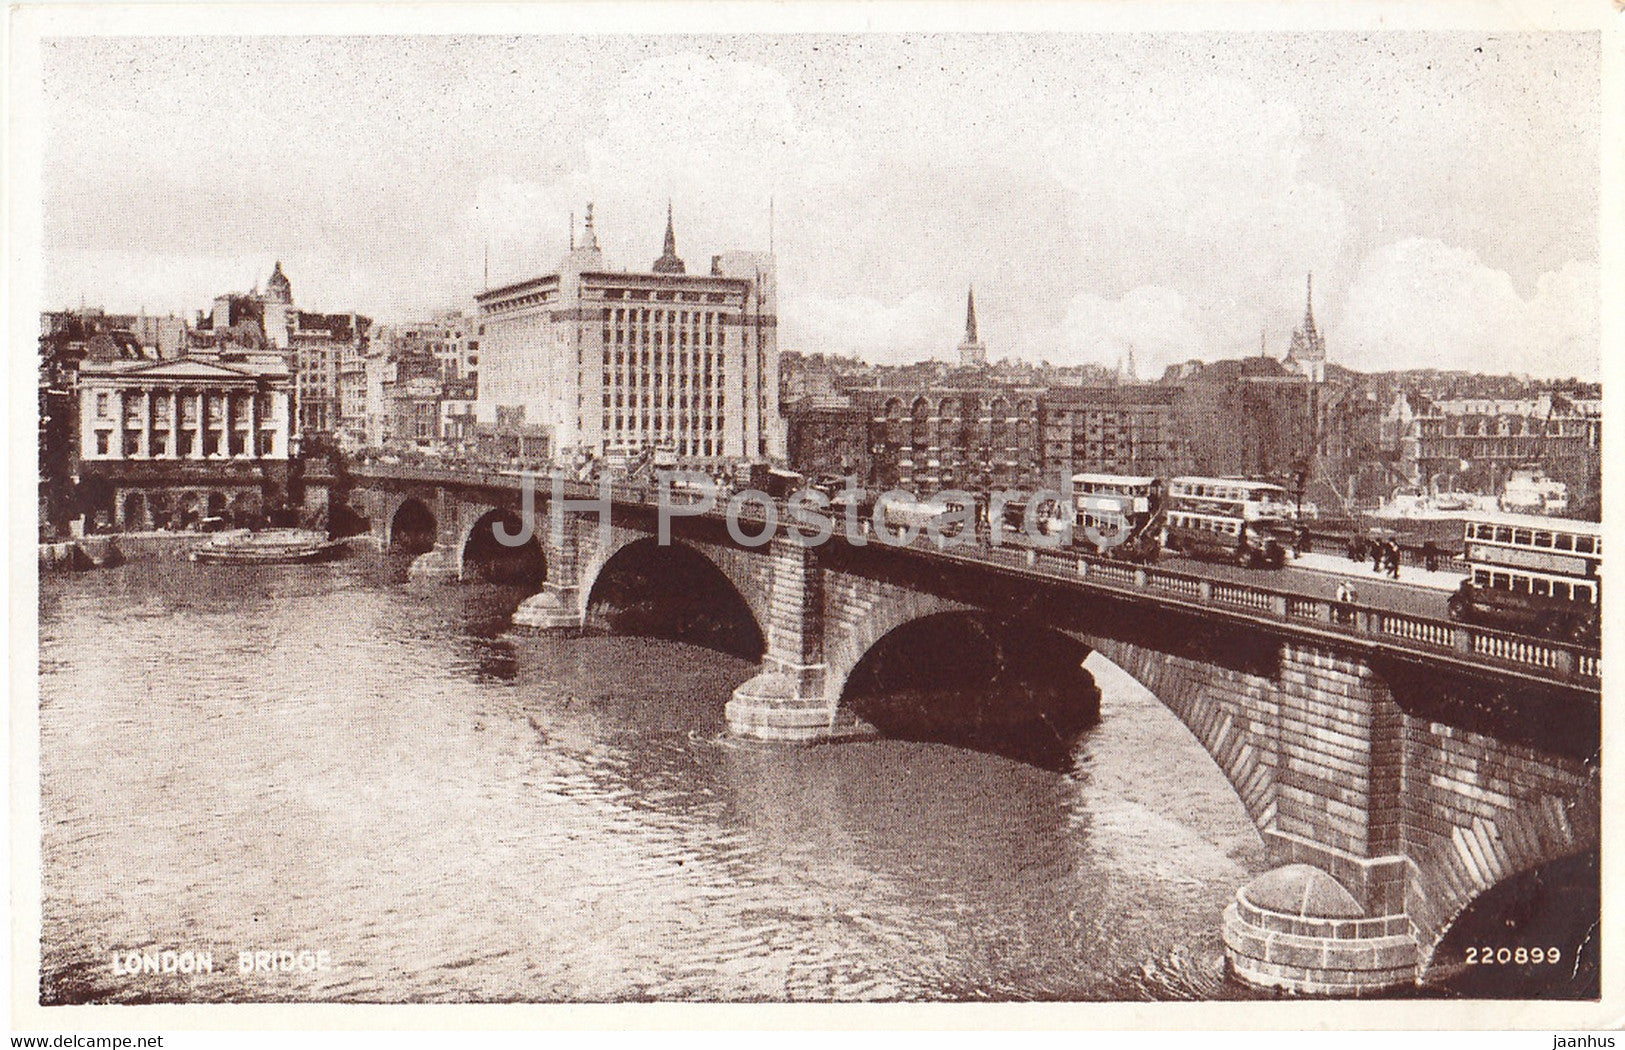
[{"x": 331, "y": 759}]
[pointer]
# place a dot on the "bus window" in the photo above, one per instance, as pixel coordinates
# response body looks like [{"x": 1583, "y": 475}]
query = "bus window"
[
  {"x": 1582, "y": 592},
  {"x": 1481, "y": 578},
  {"x": 1503, "y": 534},
  {"x": 1521, "y": 537},
  {"x": 1583, "y": 544},
  {"x": 1543, "y": 539},
  {"x": 1560, "y": 590},
  {"x": 1500, "y": 581},
  {"x": 1543, "y": 588},
  {"x": 1520, "y": 584},
  {"x": 1564, "y": 542}
]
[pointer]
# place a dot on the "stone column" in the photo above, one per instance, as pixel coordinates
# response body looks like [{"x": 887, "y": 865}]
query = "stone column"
[
  {"x": 252, "y": 446},
  {"x": 277, "y": 447},
  {"x": 201, "y": 422},
  {"x": 115, "y": 446},
  {"x": 1330, "y": 920},
  {"x": 787, "y": 701},
  {"x": 175, "y": 423},
  {"x": 144, "y": 447}
]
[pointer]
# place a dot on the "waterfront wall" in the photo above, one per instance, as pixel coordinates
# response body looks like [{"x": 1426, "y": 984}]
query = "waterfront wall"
[{"x": 100, "y": 552}]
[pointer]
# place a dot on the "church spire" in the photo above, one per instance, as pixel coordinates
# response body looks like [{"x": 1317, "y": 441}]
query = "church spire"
[
  {"x": 1307, "y": 353},
  {"x": 1309, "y": 308},
  {"x": 972, "y": 352},
  {"x": 668, "y": 262}
]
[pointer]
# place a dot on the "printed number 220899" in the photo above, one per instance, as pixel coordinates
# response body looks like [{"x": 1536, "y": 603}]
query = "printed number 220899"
[{"x": 1519, "y": 956}]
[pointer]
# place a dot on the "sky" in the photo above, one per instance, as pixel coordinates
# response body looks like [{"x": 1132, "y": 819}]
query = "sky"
[{"x": 1165, "y": 192}]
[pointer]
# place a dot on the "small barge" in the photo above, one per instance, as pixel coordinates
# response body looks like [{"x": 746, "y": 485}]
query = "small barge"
[{"x": 267, "y": 547}]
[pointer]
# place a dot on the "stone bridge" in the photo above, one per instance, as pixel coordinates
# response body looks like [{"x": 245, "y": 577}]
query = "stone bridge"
[{"x": 1395, "y": 778}]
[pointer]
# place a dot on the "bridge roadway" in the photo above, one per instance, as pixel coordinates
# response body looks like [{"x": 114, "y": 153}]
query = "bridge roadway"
[{"x": 1396, "y": 619}]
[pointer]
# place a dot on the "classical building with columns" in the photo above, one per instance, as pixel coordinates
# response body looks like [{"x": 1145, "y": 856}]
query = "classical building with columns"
[
  {"x": 595, "y": 362},
  {"x": 231, "y": 406},
  {"x": 164, "y": 444}
]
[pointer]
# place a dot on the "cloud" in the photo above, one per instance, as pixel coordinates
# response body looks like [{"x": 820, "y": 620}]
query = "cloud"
[
  {"x": 1158, "y": 323},
  {"x": 896, "y": 332},
  {"x": 1200, "y": 190},
  {"x": 1422, "y": 303}
]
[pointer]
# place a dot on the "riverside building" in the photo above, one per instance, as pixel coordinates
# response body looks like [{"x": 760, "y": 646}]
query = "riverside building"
[{"x": 611, "y": 364}]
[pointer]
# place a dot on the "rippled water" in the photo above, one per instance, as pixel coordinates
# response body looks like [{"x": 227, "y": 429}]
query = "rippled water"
[{"x": 326, "y": 758}]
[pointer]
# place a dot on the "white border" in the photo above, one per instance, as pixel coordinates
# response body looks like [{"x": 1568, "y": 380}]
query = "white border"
[{"x": 26, "y": 25}]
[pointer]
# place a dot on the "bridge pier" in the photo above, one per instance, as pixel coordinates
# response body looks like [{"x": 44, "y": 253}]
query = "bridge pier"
[
  {"x": 1330, "y": 920},
  {"x": 559, "y": 604},
  {"x": 437, "y": 565},
  {"x": 788, "y": 700}
]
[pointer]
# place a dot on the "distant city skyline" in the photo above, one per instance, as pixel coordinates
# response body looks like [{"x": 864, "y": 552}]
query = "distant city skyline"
[{"x": 1168, "y": 193}]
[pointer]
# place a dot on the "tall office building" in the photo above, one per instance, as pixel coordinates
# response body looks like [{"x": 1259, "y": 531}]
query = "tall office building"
[{"x": 606, "y": 363}]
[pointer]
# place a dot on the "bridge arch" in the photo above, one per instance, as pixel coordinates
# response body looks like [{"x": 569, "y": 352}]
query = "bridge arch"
[
  {"x": 1212, "y": 703},
  {"x": 484, "y": 556},
  {"x": 411, "y": 527},
  {"x": 976, "y": 679},
  {"x": 692, "y": 592},
  {"x": 1478, "y": 861}
]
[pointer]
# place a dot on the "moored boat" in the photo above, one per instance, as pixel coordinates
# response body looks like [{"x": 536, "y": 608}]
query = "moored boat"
[{"x": 267, "y": 547}]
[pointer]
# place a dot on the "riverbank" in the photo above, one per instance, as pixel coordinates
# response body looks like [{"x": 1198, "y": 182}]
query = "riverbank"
[{"x": 112, "y": 549}]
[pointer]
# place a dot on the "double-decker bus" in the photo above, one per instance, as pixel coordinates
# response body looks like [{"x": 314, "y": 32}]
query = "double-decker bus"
[
  {"x": 1532, "y": 574},
  {"x": 1227, "y": 519},
  {"x": 1116, "y": 514}
]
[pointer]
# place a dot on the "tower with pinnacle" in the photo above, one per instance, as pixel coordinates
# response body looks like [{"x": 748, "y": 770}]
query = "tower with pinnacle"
[
  {"x": 972, "y": 352},
  {"x": 669, "y": 263},
  {"x": 1307, "y": 354},
  {"x": 279, "y": 318}
]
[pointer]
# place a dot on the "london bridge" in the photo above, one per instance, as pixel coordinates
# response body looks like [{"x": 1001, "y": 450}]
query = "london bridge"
[{"x": 1418, "y": 762}]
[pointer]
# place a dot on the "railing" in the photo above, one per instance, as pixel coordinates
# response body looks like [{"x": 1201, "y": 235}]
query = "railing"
[
  {"x": 1243, "y": 595},
  {"x": 1400, "y": 630},
  {"x": 1399, "y": 625}
]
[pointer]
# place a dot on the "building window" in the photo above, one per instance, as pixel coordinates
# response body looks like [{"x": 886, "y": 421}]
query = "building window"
[
  {"x": 102, "y": 441},
  {"x": 103, "y": 403}
]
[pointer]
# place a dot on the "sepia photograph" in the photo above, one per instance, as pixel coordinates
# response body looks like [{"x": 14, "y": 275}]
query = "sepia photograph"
[{"x": 675, "y": 513}]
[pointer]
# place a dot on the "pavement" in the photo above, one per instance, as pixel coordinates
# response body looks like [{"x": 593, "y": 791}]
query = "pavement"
[
  {"x": 1416, "y": 592},
  {"x": 1339, "y": 565}
]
